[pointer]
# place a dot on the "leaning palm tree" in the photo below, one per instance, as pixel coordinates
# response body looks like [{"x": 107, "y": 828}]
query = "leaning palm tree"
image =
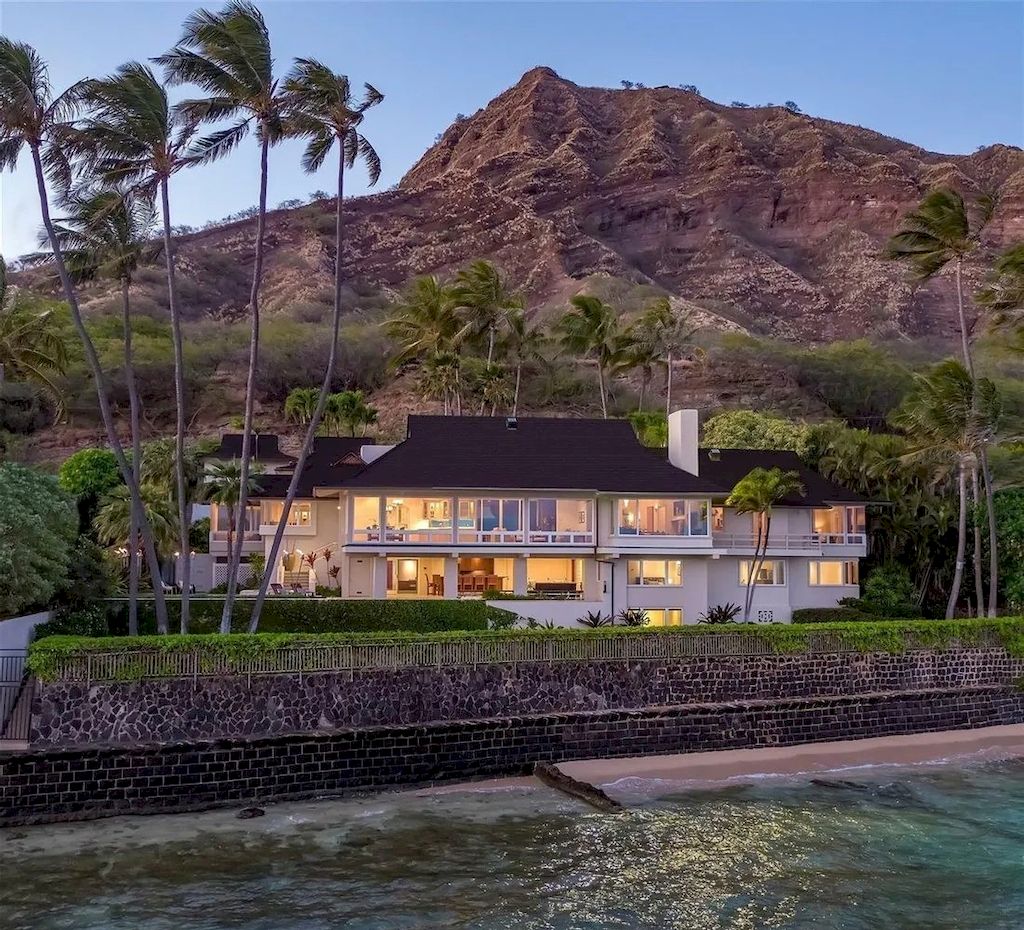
[
  {"x": 949, "y": 418},
  {"x": 300, "y": 404},
  {"x": 30, "y": 116},
  {"x": 133, "y": 138},
  {"x": 227, "y": 55},
  {"x": 322, "y": 109},
  {"x": 108, "y": 233},
  {"x": 523, "y": 345},
  {"x": 939, "y": 231},
  {"x": 1003, "y": 295},
  {"x": 591, "y": 328},
  {"x": 31, "y": 346},
  {"x": 757, "y": 493}
]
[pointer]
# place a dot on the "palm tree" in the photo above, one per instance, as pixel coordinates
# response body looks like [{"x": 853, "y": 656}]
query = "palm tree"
[
  {"x": 440, "y": 379},
  {"x": 322, "y": 109},
  {"x": 950, "y": 417},
  {"x": 31, "y": 346},
  {"x": 591, "y": 328},
  {"x": 938, "y": 232},
  {"x": 483, "y": 298},
  {"x": 115, "y": 521},
  {"x": 134, "y": 139},
  {"x": 1003, "y": 295},
  {"x": 108, "y": 233},
  {"x": 223, "y": 486},
  {"x": 227, "y": 55},
  {"x": 31, "y": 116},
  {"x": 300, "y": 404},
  {"x": 757, "y": 493},
  {"x": 640, "y": 348},
  {"x": 494, "y": 387},
  {"x": 349, "y": 409},
  {"x": 523, "y": 344}
]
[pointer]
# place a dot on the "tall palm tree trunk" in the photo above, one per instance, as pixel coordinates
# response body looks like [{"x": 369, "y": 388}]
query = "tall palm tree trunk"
[
  {"x": 979, "y": 589},
  {"x": 993, "y": 537},
  {"x": 600, "y": 385},
  {"x": 93, "y": 361},
  {"x": 965, "y": 343},
  {"x": 515, "y": 396},
  {"x": 185, "y": 558},
  {"x": 250, "y": 393},
  {"x": 134, "y": 414},
  {"x": 668, "y": 385},
  {"x": 961, "y": 543},
  {"x": 644, "y": 378},
  {"x": 748, "y": 600},
  {"x": 314, "y": 421}
]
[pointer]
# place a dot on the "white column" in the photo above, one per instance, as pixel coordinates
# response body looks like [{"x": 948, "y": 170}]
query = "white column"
[
  {"x": 591, "y": 586},
  {"x": 380, "y": 577},
  {"x": 520, "y": 581},
  {"x": 451, "y": 577}
]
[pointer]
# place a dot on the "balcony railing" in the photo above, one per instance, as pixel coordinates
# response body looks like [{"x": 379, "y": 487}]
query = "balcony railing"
[
  {"x": 818, "y": 541},
  {"x": 474, "y": 537}
]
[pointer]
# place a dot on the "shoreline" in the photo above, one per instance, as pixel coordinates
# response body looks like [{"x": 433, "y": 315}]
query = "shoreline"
[{"x": 716, "y": 768}]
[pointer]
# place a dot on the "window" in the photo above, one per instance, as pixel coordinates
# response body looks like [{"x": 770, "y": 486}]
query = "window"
[
  {"x": 652, "y": 517},
  {"x": 655, "y": 572},
  {"x": 568, "y": 518},
  {"x": 769, "y": 573},
  {"x": 490, "y": 515},
  {"x": 671, "y": 617},
  {"x": 823, "y": 574},
  {"x": 366, "y": 518},
  {"x": 301, "y": 514},
  {"x": 827, "y": 521}
]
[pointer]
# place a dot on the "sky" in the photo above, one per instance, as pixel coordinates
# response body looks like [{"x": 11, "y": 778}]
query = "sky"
[{"x": 948, "y": 76}]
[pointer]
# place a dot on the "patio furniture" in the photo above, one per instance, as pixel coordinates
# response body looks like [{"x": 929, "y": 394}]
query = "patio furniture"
[{"x": 566, "y": 590}]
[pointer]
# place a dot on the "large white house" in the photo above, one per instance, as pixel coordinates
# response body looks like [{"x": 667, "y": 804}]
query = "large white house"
[{"x": 568, "y": 515}]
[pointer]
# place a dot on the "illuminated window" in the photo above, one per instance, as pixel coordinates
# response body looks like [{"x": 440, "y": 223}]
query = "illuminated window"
[
  {"x": 670, "y": 617},
  {"x": 653, "y": 517},
  {"x": 301, "y": 514},
  {"x": 655, "y": 572},
  {"x": 768, "y": 573},
  {"x": 824, "y": 574}
]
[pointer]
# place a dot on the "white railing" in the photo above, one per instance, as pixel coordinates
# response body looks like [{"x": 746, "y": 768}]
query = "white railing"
[
  {"x": 245, "y": 574},
  {"x": 473, "y": 537},
  {"x": 818, "y": 541}
]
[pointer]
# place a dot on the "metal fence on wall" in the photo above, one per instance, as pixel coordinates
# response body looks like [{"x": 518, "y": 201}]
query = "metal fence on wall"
[
  {"x": 15, "y": 698},
  {"x": 313, "y": 658}
]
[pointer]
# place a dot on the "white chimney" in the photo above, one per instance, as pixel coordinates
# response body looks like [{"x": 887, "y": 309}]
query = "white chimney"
[
  {"x": 369, "y": 453},
  {"x": 682, "y": 440}
]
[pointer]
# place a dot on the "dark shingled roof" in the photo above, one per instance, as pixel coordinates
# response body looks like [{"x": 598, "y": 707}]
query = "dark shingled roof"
[
  {"x": 264, "y": 445},
  {"x": 541, "y": 453},
  {"x": 327, "y": 466},
  {"x": 732, "y": 464}
]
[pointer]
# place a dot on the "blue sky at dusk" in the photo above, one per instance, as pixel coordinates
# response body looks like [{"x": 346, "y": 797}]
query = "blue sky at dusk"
[{"x": 946, "y": 76}]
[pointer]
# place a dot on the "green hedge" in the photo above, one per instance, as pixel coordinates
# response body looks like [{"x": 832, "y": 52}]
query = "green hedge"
[
  {"x": 321, "y": 615},
  {"x": 864, "y": 636},
  {"x": 831, "y": 615}
]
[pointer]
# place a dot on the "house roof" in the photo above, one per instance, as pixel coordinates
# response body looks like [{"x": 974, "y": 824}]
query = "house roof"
[
  {"x": 265, "y": 448},
  {"x": 539, "y": 453},
  {"x": 331, "y": 462},
  {"x": 728, "y": 466}
]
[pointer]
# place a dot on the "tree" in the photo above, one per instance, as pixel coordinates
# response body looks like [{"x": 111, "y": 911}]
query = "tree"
[
  {"x": 751, "y": 429},
  {"x": 38, "y": 528},
  {"x": 483, "y": 298},
  {"x": 651, "y": 428},
  {"x": 228, "y": 55},
  {"x": 87, "y": 475},
  {"x": 114, "y": 522},
  {"x": 349, "y": 409},
  {"x": 792, "y": 106},
  {"x": 322, "y": 110},
  {"x": 937, "y": 233},
  {"x": 223, "y": 486},
  {"x": 108, "y": 233},
  {"x": 591, "y": 328},
  {"x": 1003, "y": 295},
  {"x": 300, "y": 405},
  {"x": 31, "y": 346},
  {"x": 31, "y": 116},
  {"x": 949, "y": 418},
  {"x": 757, "y": 493},
  {"x": 523, "y": 344},
  {"x": 663, "y": 334}
]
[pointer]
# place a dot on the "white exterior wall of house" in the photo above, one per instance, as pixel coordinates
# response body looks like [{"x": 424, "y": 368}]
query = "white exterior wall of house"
[{"x": 326, "y": 529}]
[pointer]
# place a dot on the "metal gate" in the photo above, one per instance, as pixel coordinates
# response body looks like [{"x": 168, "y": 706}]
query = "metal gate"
[{"x": 16, "y": 687}]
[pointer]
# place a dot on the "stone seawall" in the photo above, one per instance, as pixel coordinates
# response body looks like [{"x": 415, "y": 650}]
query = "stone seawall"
[
  {"x": 82, "y": 783},
  {"x": 167, "y": 710}
]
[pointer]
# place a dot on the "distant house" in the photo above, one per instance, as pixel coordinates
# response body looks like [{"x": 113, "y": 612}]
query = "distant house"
[{"x": 567, "y": 515}]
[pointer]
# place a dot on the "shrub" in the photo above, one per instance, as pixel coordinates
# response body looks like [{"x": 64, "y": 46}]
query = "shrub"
[
  {"x": 830, "y": 615},
  {"x": 23, "y": 408},
  {"x": 633, "y": 616},
  {"x": 594, "y": 618},
  {"x": 89, "y": 622},
  {"x": 89, "y": 473},
  {"x": 720, "y": 613},
  {"x": 324, "y": 615},
  {"x": 748, "y": 429},
  {"x": 888, "y": 591},
  {"x": 38, "y": 527}
]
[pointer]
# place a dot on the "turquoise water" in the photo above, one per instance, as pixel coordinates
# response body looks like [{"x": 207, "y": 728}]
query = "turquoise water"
[{"x": 913, "y": 849}]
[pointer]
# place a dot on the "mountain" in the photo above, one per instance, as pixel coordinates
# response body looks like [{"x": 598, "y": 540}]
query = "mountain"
[{"x": 759, "y": 217}]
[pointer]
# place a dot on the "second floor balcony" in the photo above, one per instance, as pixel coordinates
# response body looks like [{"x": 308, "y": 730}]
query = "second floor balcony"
[{"x": 790, "y": 542}]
